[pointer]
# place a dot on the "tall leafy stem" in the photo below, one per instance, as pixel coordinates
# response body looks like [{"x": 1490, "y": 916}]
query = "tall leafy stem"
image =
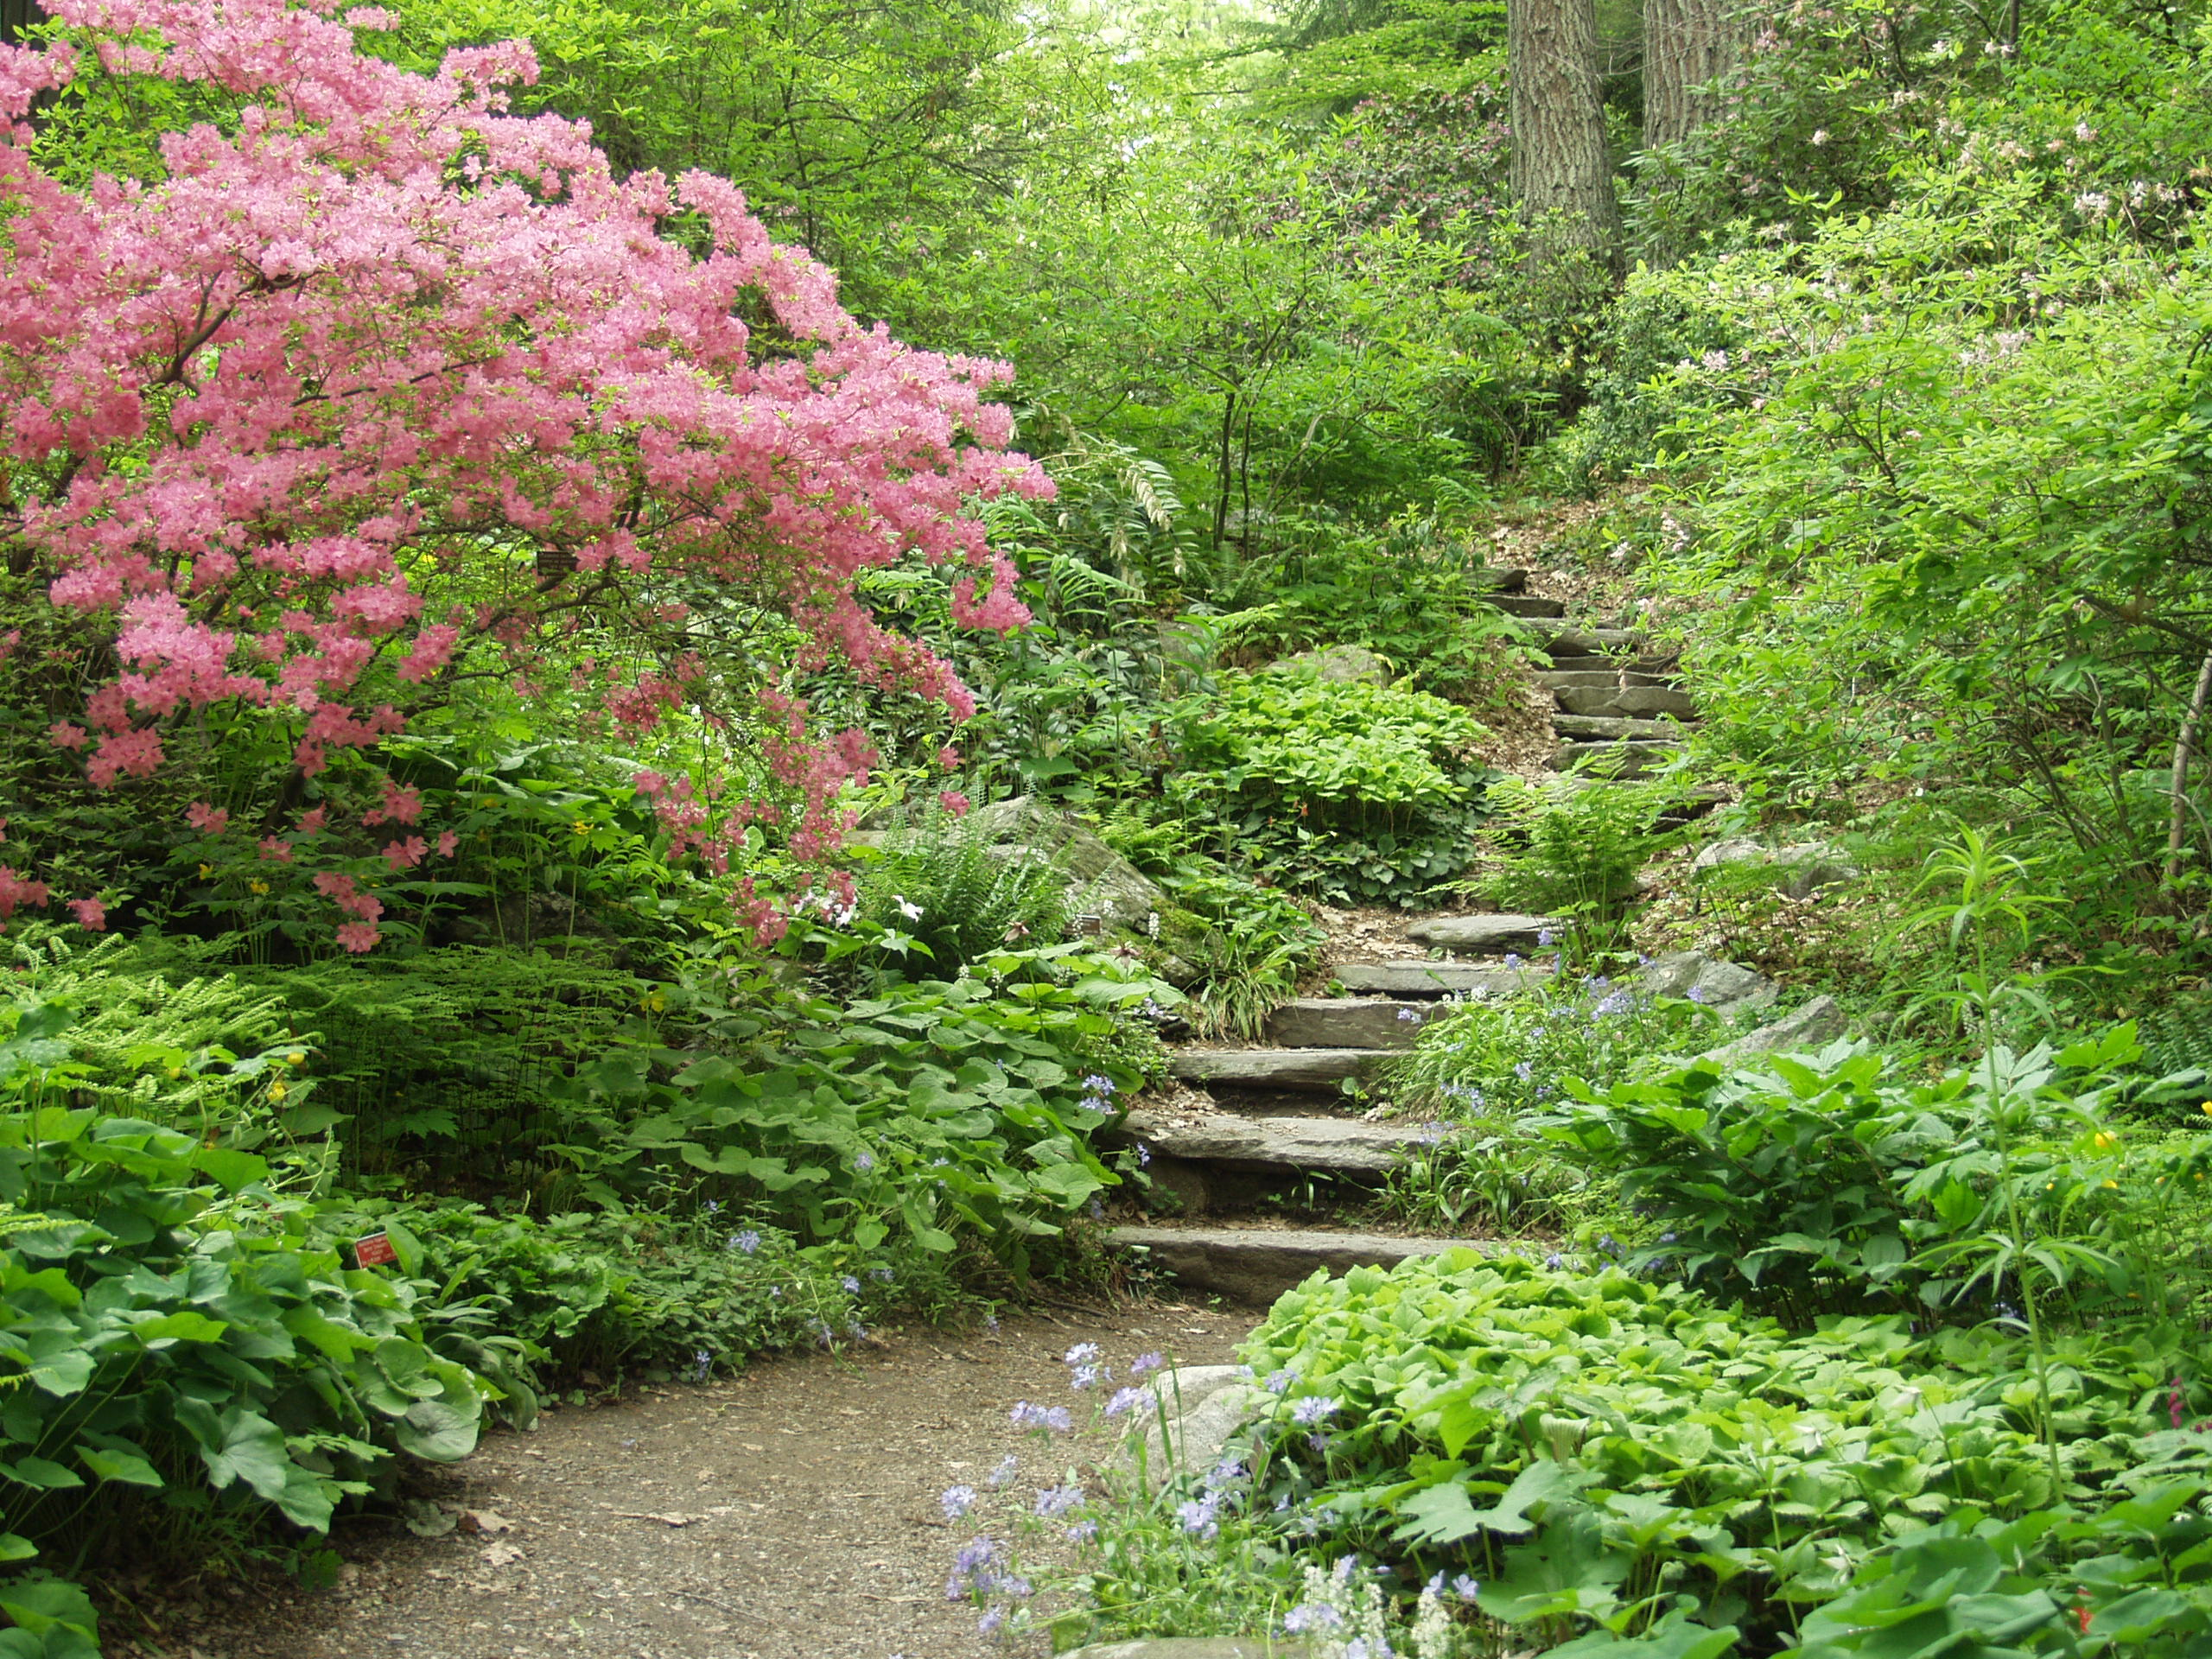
[{"x": 1983, "y": 896}]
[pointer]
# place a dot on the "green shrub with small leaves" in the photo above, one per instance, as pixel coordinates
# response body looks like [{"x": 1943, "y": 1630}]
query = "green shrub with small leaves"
[{"x": 1350, "y": 791}]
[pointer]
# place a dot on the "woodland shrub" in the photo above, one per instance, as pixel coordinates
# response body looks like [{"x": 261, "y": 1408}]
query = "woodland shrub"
[
  {"x": 610, "y": 408},
  {"x": 1835, "y": 1185},
  {"x": 932, "y": 1110},
  {"x": 1354, "y": 792},
  {"x": 1596, "y": 1450},
  {"x": 195, "y": 1347}
]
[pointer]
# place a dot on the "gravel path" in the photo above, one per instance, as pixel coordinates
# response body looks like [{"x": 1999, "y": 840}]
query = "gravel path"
[{"x": 791, "y": 1513}]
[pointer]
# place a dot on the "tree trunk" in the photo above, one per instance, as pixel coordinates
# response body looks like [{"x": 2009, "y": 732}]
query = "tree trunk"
[
  {"x": 1687, "y": 44},
  {"x": 1559, "y": 162}
]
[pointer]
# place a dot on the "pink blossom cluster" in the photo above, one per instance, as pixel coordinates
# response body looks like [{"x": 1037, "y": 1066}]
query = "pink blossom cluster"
[{"x": 382, "y": 340}]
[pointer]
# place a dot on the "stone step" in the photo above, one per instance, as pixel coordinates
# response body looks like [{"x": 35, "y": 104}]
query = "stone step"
[
  {"x": 1257, "y": 1264},
  {"x": 1526, "y": 605},
  {"x": 1346, "y": 1146},
  {"x": 1345, "y": 1022},
  {"x": 1561, "y": 639},
  {"x": 1500, "y": 579},
  {"x": 1630, "y": 701},
  {"x": 1614, "y": 729},
  {"x": 1416, "y": 977},
  {"x": 1614, "y": 759},
  {"x": 1484, "y": 936},
  {"x": 1303, "y": 1069},
  {"x": 1608, "y": 677}
]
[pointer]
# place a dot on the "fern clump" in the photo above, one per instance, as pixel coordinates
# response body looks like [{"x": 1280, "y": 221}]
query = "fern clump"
[{"x": 944, "y": 896}]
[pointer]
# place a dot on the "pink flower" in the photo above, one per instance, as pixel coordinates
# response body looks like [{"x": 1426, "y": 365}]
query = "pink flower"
[
  {"x": 405, "y": 854},
  {"x": 948, "y": 757},
  {"x": 311, "y": 823},
  {"x": 400, "y": 806},
  {"x": 91, "y": 913},
  {"x": 953, "y": 801},
  {"x": 358, "y": 937},
  {"x": 15, "y": 890},
  {"x": 209, "y": 820},
  {"x": 276, "y": 850},
  {"x": 527, "y": 360},
  {"x": 446, "y": 843}
]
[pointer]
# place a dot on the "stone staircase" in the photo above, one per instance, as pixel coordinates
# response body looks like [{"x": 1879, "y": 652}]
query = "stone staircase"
[{"x": 1273, "y": 1125}]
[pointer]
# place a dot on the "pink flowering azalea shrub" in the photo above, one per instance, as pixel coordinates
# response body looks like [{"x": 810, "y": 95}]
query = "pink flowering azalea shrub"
[{"x": 378, "y": 386}]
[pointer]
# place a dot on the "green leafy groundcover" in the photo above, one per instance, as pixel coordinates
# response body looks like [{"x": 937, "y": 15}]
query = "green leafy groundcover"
[
  {"x": 1603, "y": 1453},
  {"x": 187, "y": 1351}
]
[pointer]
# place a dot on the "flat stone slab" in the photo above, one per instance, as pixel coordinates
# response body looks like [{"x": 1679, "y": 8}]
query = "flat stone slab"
[
  {"x": 1632, "y": 701},
  {"x": 1274, "y": 1068},
  {"x": 1257, "y": 1264},
  {"x": 1648, "y": 671},
  {"x": 1526, "y": 604},
  {"x": 1321, "y": 1145},
  {"x": 1485, "y": 934},
  {"x": 1414, "y": 977},
  {"x": 1614, "y": 759},
  {"x": 1499, "y": 579},
  {"x": 1346, "y": 1022},
  {"x": 1614, "y": 728},
  {"x": 1564, "y": 639}
]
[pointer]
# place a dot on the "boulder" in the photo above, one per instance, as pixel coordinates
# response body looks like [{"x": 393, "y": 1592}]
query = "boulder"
[
  {"x": 1338, "y": 665},
  {"x": 1100, "y": 881},
  {"x": 1614, "y": 728},
  {"x": 1203, "y": 1406},
  {"x": 1804, "y": 1031},
  {"x": 1695, "y": 977},
  {"x": 1808, "y": 866},
  {"x": 1608, "y": 760},
  {"x": 1602, "y": 696}
]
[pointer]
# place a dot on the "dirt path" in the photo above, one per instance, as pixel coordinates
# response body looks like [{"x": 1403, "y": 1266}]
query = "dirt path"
[{"x": 791, "y": 1513}]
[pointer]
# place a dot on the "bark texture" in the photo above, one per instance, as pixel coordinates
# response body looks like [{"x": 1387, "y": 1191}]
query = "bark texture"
[
  {"x": 1687, "y": 44},
  {"x": 1559, "y": 162}
]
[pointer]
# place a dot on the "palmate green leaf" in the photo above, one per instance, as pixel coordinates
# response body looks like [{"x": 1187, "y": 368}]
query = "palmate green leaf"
[
  {"x": 43, "y": 1606},
  {"x": 16, "y": 1547},
  {"x": 1567, "y": 1570},
  {"x": 40, "y": 1473},
  {"x": 1673, "y": 1637},
  {"x": 119, "y": 1464},
  {"x": 241, "y": 1444}
]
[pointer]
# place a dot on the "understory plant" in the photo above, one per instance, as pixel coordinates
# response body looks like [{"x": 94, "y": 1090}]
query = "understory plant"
[
  {"x": 1352, "y": 791},
  {"x": 1485, "y": 1072},
  {"x": 1571, "y": 848},
  {"x": 199, "y": 1354},
  {"x": 936, "y": 1108},
  {"x": 942, "y": 897}
]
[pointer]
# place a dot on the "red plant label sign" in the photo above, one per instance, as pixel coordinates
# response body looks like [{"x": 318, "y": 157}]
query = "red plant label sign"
[{"x": 374, "y": 1251}]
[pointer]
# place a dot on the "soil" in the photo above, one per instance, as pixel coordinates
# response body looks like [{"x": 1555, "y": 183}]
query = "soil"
[{"x": 788, "y": 1513}]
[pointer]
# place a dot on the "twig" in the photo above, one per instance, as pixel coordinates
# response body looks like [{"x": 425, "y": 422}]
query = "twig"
[
  {"x": 2184, "y": 747},
  {"x": 737, "y": 1612}
]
